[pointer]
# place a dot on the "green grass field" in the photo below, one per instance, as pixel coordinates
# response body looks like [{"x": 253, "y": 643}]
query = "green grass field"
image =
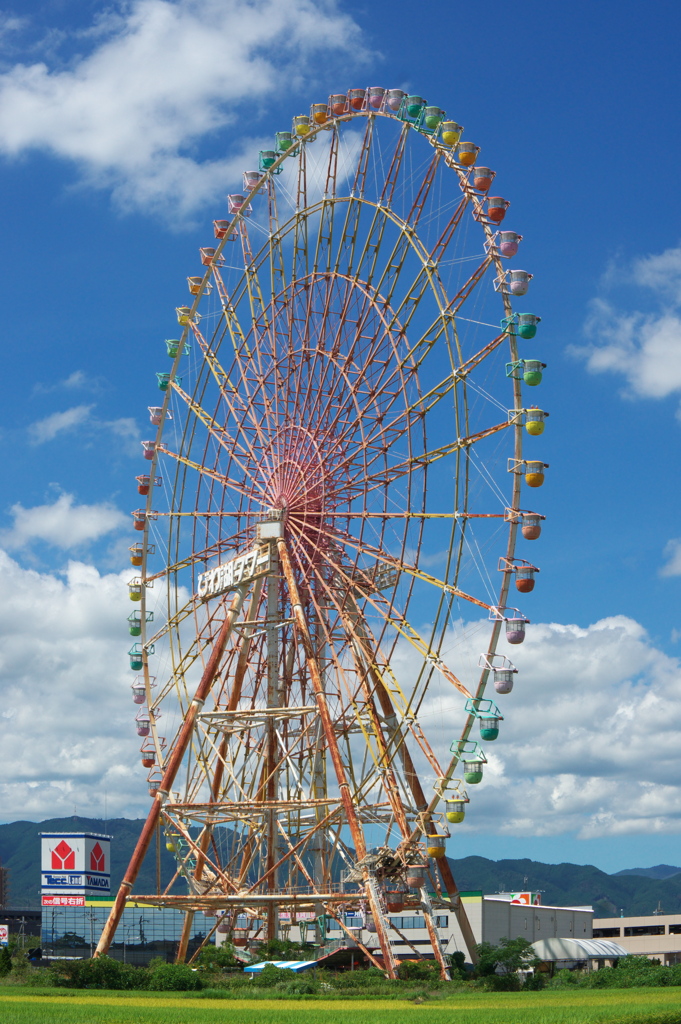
[{"x": 613, "y": 1006}]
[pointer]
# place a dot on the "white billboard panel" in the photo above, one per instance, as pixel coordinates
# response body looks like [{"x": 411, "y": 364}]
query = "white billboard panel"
[{"x": 76, "y": 863}]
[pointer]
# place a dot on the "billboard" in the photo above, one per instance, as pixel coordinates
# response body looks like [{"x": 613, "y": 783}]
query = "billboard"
[
  {"x": 59, "y": 900},
  {"x": 4, "y": 934},
  {"x": 75, "y": 864},
  {"x": 530, "y": 899}
]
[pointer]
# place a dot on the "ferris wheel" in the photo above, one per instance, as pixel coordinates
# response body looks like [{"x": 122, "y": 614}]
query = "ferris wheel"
[{"x": 334, "y": 482}]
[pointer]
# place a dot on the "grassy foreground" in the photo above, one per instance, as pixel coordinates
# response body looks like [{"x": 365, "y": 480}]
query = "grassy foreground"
[{"x": 628, "y": 1006}]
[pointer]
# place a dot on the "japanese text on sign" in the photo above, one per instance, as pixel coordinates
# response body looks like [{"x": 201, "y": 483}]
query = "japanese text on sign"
[{"x": 231, "y": 574}]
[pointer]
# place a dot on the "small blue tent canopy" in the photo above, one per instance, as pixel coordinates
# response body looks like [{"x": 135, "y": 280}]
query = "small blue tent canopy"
[{"x": 292, "y": 965}]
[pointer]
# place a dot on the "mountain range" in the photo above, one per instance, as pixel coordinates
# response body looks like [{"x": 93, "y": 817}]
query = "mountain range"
[{"x": 632, "y": 891}]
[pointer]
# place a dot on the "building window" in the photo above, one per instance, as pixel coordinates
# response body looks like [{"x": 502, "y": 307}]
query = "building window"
[
  {"x": 648, "y": 929},
  {"x": 606, "y": 933},
  {"x": 675, "y": 929},
  {"x": 407, "y": 923}
]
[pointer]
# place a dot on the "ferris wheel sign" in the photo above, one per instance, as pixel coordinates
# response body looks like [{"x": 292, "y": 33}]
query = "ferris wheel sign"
[{"x": 232, "y": 574}]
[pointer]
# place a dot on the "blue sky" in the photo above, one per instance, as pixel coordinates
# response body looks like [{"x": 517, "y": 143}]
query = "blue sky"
[{"x": 122, "y": 127}]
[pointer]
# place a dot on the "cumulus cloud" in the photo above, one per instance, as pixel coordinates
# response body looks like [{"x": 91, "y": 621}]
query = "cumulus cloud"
[
  {"x": 162, "y": 76},
  {"x": 589, "y": 743},
  {"x": 644, "y": 347},
  {"x": 67, "y": 730},
  {"x": 62, "y": 524}
]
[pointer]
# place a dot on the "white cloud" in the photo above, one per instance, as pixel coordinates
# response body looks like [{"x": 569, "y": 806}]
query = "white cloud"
[
  {"x": 58, "y": 423},
  {"x": 589, "y": 743},
  {"x": 62, "y": 524},
  {"x": 162, "y": 77},
  {"x": 673, "y": 554},
  {"x": 76, "y": 381},
  {"x": 661, "y": 273},
  {"x": 67, "y": 732},
  {"x": 644, "y": 347},
  {"x": 79, "y": 418}
]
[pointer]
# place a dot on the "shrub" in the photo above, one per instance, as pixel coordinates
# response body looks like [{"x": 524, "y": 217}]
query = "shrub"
[
  {"x": 502, "y": 983},
  {"x": 459, "y": 965},
  {"x": 165, "y": 977},
  {"x": 284, "y": 949},
  {"x": 302, "y": 986},
  {"x": 564, "y": 978},
  {"x": 534, "y": 983},
  {"x": 418, "y": 970},
  {"x": 20, "y": 965},
  {"x": 217, "y": 958},
  {"x": 272, "y": 975},
  {"x": 364, "y": 978},
  {"x": 102, "y": 972}
]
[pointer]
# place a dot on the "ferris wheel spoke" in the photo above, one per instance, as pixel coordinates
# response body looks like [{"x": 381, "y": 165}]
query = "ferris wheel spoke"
[
  {"x": 346, "y": 248},
  {"x": 371, "y": 249},
  {"x": 222, "y": 379},
  {"x": 324, "y": 244},
  {"x": 259, "y": 321},
  {"x": 240, "y": 488},
  {"x": 365, "y": 714},
  {"x": 430, "y": 399},
  {"x": 389, "y": 279},
  {"x": 275, "y": 251},
  {"x": 389, "y": 692},
  {"x": 300, "y": 232},
  {"x": 400, "y": 625},
  {"x": 400, "y": 565},
  {"x": 224, "y": 439},
  {"x": 389, "y": 474}
]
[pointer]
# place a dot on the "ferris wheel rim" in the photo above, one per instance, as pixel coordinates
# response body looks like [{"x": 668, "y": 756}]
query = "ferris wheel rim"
[{"x": 297, "y": 145}]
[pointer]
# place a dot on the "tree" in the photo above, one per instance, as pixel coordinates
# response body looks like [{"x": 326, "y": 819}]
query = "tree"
[
  {"x": 510, "y": 956},
  {"x": 5, "y": 961}
]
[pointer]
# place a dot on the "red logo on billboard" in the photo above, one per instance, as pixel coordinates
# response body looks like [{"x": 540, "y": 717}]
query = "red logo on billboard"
[
  {"x": 97, "y": 858},
  {"x": 63, "y": 857}
]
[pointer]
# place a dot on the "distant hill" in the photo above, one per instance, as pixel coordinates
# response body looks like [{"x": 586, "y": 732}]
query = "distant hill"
[
  {"x": 659, "y": 871},
  {"x": 631, "y": 891},
  {"x": 572, "y": 884}
]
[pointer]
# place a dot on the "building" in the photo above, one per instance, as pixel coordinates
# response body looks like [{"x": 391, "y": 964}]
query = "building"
[
  {"x": 143, "y": 932},
  {"x": 657, "y": 936},
  {"x": 491, "y": 917}
]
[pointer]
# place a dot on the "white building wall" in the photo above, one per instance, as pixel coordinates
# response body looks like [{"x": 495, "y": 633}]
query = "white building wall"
[{"x": 491, "y": 919}]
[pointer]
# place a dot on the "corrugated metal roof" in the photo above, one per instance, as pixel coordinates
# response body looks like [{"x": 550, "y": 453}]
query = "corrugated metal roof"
[{"x": 578, "y": 949}]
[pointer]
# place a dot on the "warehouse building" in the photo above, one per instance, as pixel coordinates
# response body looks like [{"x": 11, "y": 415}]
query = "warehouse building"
[{"x": 657, "y": 936}]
